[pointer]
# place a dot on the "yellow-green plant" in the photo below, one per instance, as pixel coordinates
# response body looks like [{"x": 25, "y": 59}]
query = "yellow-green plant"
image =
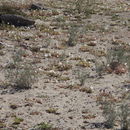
[{"x": 42, "y": 126}]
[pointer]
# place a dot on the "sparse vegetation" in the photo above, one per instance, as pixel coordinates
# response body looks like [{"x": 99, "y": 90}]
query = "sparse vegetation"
[
  {"x": 117, "y": 54},
  {"x": 84, "y": 64},
  {"x": 82, "y": 75},
  {"x": 108, "y": 106},
  {"x": 43, "y": 126},
  {"x": 114, "y": 110},
  {"x": 52, "y": 110},
  {"x": 72, "y": 41},
  {"x": 99, "y": 67},
  {"x": 85, "y": 6},
  {"x": 78, "y": 49},
  {"x": 124, "y": 116},
  {"x": 19, "y": 73},
  {"x": 118, "y": 60},
  {"x": 17, "y": 121}
]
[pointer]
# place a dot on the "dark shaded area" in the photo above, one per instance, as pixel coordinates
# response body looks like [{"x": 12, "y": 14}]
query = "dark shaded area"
[
  {"x": 11, "y": 90},
  {"x": 15, "y": 20},
  {"x": 37, "y": 7},
  {"x": 97, "y": 125}
]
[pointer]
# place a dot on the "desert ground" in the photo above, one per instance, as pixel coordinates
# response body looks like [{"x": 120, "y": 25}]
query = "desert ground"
[{"x": 77, "y": 54}]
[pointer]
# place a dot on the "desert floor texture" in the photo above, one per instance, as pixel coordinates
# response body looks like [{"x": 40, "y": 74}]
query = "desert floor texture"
[{"x": 70, "y": 48}]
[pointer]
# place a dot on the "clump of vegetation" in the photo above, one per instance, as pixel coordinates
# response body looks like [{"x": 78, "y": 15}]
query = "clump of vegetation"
[
  {"x": 79, "y": 5},
  {"x": 118, "y": 59},
  {"x": 52, "y": 110},
  {"x": 99, "y": 67},
  {"x": 117, "y": 54},
  {"x": 86, "y": 7},
  {"x": 73, "y": 32},
  {"x": 115, "y": 110},
  {"x": 90, "y": 6},
  {"x": 19, "y": 73},
  {"x": 108, "y": 106},
  {"x": 43, "y": 126},
  {"x": 62, "y": 65},
  {"x": 81, "y": 75},
  {"x": 124, "y": 115},
  {"x": 83, "y": 63},
  {"x": 124, "y": 111},
  {"x": 17, "y": 121}
]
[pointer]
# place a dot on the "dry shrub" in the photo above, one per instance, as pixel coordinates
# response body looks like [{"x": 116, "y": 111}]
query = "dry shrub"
[{"x": 19, "y": 73}]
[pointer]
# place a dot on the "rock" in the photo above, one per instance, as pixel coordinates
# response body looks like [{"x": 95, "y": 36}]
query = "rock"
[
  {"x": 37, "y": 7},
  {"x": 15, "y": 20}
]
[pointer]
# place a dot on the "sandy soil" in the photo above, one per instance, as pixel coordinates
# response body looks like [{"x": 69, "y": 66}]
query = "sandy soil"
[{"x": 58, "y": 89}]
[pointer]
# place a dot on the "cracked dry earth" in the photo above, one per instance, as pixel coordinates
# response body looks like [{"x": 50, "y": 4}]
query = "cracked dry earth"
[{"x": 57, "y": 98}]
